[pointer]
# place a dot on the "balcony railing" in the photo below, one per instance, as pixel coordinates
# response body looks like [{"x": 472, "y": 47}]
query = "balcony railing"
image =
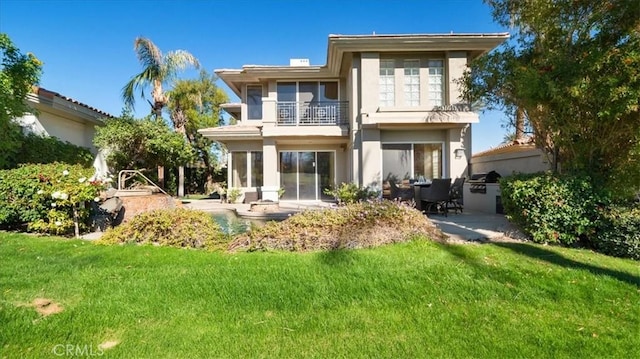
[{"x": 329, "y": 113}]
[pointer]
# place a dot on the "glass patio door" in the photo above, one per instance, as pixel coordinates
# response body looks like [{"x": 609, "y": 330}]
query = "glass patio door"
[{"x": 305, "y": 174}]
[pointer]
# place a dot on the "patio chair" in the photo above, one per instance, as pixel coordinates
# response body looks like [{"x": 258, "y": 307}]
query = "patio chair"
[
  {"x": 455, "y": 195},
  {"x": 401, "y": 194},
  {"x": 436, "y": 196}
]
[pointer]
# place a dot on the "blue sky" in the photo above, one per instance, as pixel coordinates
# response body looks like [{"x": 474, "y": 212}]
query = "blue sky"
[{"x": 87, "y": 46}]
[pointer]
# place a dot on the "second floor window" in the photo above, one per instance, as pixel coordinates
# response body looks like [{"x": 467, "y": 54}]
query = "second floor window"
[
  {"x": 387, "y": 83},
  {"x": 254, "y": 102},
  {"x": 436, "y": 83},
  {"x": 412, "y": 82},
  {"x": 308, "y": 91}
]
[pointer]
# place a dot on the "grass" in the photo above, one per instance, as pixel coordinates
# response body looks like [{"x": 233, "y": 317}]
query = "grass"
[{"x": 417, "y": 299}]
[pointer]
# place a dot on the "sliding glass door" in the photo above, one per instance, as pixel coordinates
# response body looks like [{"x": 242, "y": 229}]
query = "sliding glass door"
[
  {"x": 403, "y": 161},
  {"x": 305, "y": 175}
]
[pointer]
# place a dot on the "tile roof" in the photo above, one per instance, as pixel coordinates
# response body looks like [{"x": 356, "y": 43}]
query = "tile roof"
[
  {"x": 51, "y": 94},
  {"x": 515, "y": 146}
]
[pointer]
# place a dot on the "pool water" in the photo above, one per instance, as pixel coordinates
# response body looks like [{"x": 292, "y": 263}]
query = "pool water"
[{"x": 232, "y": 224}]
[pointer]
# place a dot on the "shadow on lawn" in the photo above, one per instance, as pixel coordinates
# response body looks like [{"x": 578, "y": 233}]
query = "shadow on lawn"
[
  {"x": 538, "y": 252},
  {"x": 337, "y": 257}
]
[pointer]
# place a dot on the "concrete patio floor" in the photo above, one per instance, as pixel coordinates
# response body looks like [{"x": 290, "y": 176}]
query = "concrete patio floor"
[{"x": 477, "y": 227}]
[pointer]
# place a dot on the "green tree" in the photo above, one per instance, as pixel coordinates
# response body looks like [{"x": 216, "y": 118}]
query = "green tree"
[
  {"x": 141, "y": 143},
  {"x": 158, "y": 70},
  {"x": 195, "y": 104},
  {"x": 18, "y": 73},
  {"x": 573, "y": 68}
]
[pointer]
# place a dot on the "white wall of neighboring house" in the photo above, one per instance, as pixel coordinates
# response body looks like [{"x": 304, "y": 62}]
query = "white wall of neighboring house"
[
  {"x": 65, "y": 129},
  {"x": 58, "y": 116}
]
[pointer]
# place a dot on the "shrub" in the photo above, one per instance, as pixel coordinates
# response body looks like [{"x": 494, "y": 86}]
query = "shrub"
[
  {"x": 234, "y": 194},
  {"x": 348, "y": 193},
  {"x": 47, "y": 197},
  {"x": 177, "y": 227},
  {"x": 619, "y": 232},
  {"x": 356, "y": 225},
  {"x": 552, "y": 208},
  {"x": 37, "y": 149}
]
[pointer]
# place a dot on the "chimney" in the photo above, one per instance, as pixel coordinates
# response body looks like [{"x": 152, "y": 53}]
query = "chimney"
[{"x": 298, "y": 62}]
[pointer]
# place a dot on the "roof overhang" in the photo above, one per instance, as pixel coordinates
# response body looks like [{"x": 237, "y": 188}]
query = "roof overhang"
[
  {"x": 44, "y": 100},
  {"x": 234, "y": 78},
  {"x": 233, "y": 109},
  {"x": 339, "y": 45},
  {"x": 476, "y": 44},
  {"x": 232, "y": 133}
]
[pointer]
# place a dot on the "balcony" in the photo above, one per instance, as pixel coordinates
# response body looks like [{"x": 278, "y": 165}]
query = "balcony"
[{"x": 328, "y": 113}]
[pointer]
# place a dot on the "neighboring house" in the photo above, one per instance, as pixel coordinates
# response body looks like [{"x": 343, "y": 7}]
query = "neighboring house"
[
  {"x": 62, "y": 117},
  {"x": 384, "y": 107},
  {"x": 519, "y": 156}
]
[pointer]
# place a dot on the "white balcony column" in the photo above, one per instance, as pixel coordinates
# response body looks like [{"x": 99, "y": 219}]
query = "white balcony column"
[{"x": 270, "y": 170}]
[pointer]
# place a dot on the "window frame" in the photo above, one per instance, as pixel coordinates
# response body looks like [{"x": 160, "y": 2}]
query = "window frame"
[
  {"x": 408, "y": 101},
  {"x": 248, "y": 168},
  {"x": 257, "y": 105},
  {"x": 443, "y": 157},
  {"x": 315, "y": 81},
  {"x": 389, "y": 91},
  {"x": 432, "y": 100}
]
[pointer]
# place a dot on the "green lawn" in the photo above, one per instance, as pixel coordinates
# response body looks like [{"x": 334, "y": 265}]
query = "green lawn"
[{"x": 413, "y": 300}]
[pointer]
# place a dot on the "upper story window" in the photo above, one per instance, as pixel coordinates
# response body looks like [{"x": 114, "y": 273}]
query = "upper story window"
[
  {"x": 412, "y": 82},
  {"x": 387, "y": 83},
  {"x": 254, "y": 102},
  {"x": 436, "y": 82},
  {"x": 309, "y": 103},
  {"x": 308, "y": 91}
]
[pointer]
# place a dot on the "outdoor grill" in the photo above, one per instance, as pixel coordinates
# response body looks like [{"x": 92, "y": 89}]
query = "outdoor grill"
[{"x": 477, "y": 181}]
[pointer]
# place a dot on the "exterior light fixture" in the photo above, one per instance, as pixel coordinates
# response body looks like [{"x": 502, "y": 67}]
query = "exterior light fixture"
[{"x": 459, "y": 152}]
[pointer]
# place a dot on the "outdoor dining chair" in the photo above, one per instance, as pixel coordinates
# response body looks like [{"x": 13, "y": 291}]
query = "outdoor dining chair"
[
  {"x": 436, "y": 196},
  {"x": 401, "y": 194},
  {"x": 455, "y": 195}
]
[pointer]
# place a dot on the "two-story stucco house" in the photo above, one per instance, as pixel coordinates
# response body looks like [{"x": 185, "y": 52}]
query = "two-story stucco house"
[{"x": 384, "y": 107}]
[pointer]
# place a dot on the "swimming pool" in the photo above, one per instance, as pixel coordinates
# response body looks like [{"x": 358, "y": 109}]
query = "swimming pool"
[{"x": 231, "y": 224}]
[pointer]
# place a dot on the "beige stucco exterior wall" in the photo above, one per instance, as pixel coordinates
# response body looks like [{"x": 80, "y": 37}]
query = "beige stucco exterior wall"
[
  {"x": 457, "y": 139},
  {"x": 369, "y": 74},
  {"x": 456, "y": 63},
  {"x": 506, "y": 164},
  {"x": 371, "y": 158},
  {"x": 355, "y": 142}
]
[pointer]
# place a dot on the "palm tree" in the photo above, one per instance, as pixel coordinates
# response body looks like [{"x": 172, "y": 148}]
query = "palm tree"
[
  {"x": 158, "y": 70},
  {"x": 196, "y": 104}
]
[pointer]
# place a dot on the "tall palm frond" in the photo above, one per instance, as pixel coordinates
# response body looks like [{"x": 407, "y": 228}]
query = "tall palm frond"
[{"x": 158, "y": 69}]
